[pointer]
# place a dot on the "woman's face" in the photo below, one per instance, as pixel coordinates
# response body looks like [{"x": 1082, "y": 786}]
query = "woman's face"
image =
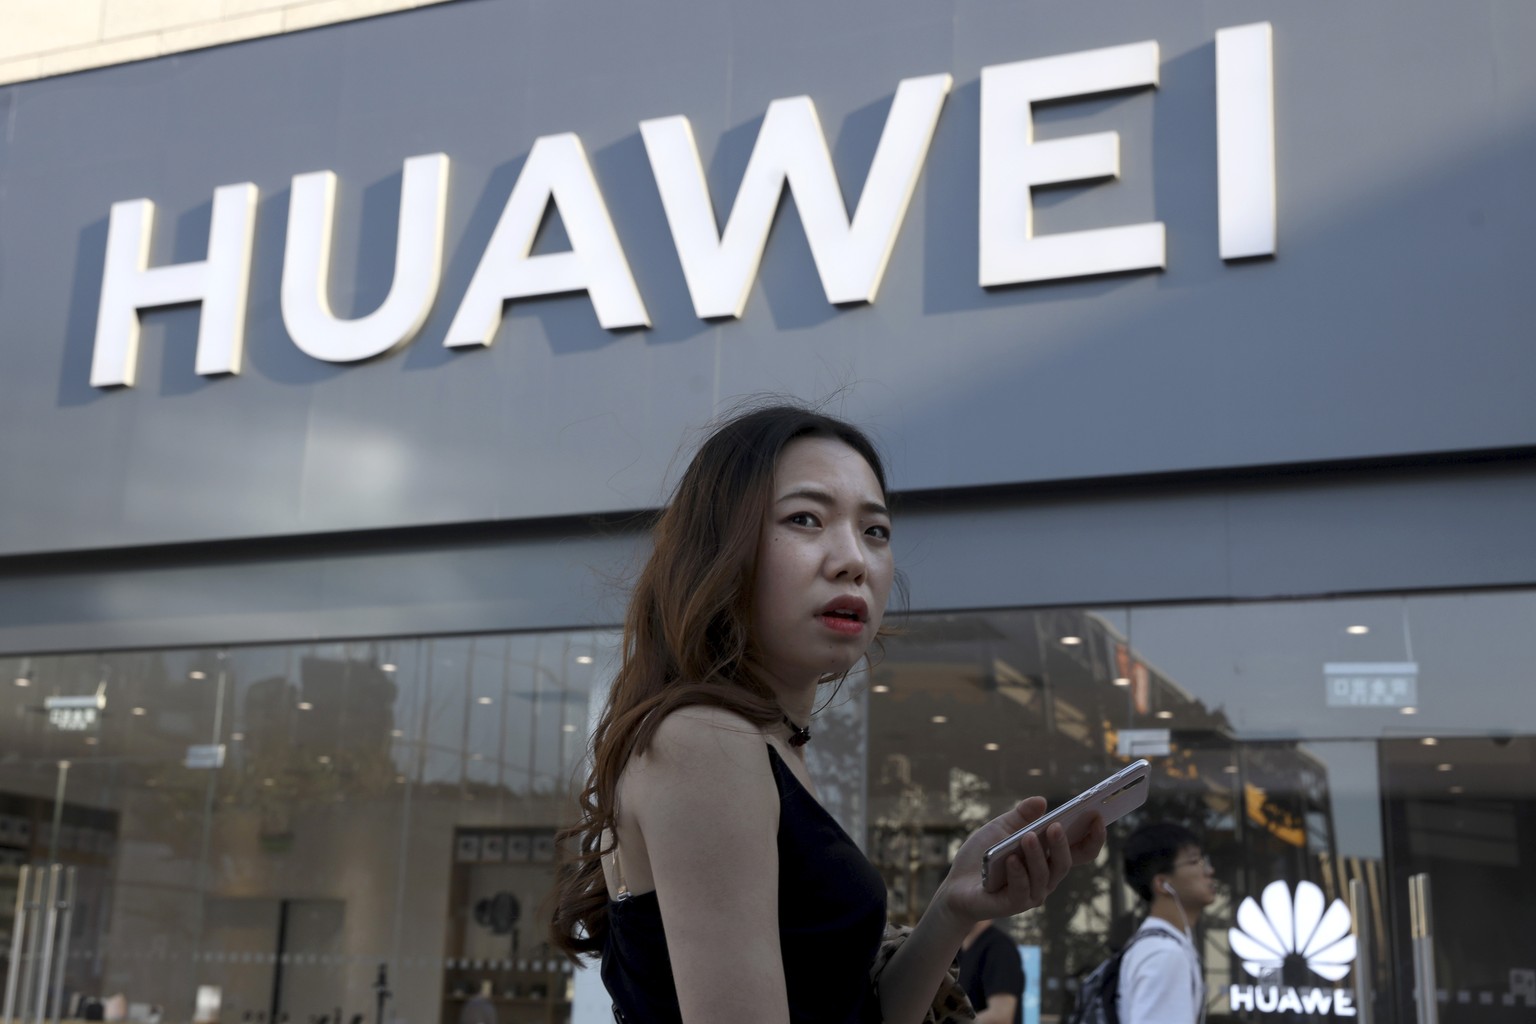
[{"x": 824, "y": 564}]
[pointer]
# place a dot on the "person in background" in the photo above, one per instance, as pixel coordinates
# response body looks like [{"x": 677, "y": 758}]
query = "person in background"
[
  {"x": 1161, "y": 980},
  {"x": 992, "y": 975}
]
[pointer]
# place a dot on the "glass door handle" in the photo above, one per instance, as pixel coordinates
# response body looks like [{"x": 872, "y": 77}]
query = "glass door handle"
[
  {"x": 1365, "y": 953},
  {"x": 1422, "y": 930},
  {"x": 18, "y": 933}
]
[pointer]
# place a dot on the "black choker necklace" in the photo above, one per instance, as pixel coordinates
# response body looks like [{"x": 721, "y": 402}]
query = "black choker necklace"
[{"x": 798, "y": 737}]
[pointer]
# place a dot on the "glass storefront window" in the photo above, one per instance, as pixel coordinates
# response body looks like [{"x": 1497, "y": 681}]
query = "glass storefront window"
[
  {"x": 258, "y": 832},
  {"x": 1311, "y": 743}
]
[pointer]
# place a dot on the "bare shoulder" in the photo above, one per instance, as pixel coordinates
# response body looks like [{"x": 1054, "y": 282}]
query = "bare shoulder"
[{"x": 705, "y": 737}]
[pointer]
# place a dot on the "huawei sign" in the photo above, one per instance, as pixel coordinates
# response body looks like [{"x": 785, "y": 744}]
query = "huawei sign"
[
  {"x": 1283, "y": 933},
  {"x": 719, "y": 265}
]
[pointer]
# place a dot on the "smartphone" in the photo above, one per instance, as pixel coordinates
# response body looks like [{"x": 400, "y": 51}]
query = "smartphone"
[{"x": 1111, "y": 799}]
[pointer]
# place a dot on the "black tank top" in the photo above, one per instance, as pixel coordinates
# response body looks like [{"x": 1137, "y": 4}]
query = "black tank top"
[{"x": 831, "y": 918}]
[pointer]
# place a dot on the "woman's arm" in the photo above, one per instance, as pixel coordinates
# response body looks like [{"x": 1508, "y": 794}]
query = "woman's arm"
[
  {"x": 704, "y": 802},
  {"x": 912, "y": 978}
]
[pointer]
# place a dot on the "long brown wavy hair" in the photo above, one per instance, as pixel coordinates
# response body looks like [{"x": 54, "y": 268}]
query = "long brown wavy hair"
[{"x": 687, "y": 634}]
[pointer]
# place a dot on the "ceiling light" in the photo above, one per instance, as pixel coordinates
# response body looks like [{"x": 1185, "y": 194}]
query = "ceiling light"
[
  {"x": 140, "y": 712},
  {"x": 388, "y": 666},
  {"x": 1036, "y": 771},
  {"x": 1071, "y": 641},
  {"x": 399, "y": 778},
  {"x": 1408, "y": 711},
  {"x": 23, "y": 680},
  {"x": 397, "y": 733},
  {"x": 91, "y": 741},
  {"x": 583, "y": 659},
  {"x": 1358, "y": 630},
  {"x": 477, "y": 757},
  {"x": 482, "y": 700},
  {"x": 305, "y": 705},
  {"x": 1430, "y": 741},
  {"x": 568, "y": 727},
  {"x": 197, "y": 674},
  {"x": 938, "y": 719},
  {"x": 992, "y": 746},
  {"x": 1444, "y": 767},
  {"x": 323, "y": 759},
  {"x": 268, "y": 782},
  {"x": 1122, "y": 681},
  {"x": 1230, "y": 769},
  {"x": 237, "y": 736},
  {"x": 1457, "y": 790},
  {"x": 1165, "y": 714},
  {"x": 879, "y": 688}
]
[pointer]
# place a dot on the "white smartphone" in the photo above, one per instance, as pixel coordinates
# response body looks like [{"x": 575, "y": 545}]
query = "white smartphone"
[{"x": 1111, "y": 799}]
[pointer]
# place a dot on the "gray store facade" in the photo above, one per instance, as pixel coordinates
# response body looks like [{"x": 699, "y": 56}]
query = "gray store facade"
[{"x": 1199, "y": 338}]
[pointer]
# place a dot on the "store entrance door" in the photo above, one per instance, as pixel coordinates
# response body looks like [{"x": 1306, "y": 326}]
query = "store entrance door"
[{"x": 1463, "y": 812}]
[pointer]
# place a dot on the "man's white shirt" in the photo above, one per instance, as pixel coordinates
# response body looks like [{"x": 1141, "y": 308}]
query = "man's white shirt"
[{"x": 1160, "y": 979}]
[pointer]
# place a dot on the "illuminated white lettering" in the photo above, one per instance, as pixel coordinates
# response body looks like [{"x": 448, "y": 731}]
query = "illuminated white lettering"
[
  {"x": 556, "y": 171},
  {"x": 791, "y": 149},
  {"x": 220, "y": 283},
  {"x": 1012, "y": 163},
  {"x": 1245, "y": 140},
  {"x": 418, "y": 264}
]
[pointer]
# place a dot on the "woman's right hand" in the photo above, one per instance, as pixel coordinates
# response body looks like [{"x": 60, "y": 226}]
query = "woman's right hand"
[{"x": 1031, "y": 871}]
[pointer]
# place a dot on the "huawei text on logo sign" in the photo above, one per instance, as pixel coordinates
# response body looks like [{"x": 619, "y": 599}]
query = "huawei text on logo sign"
[
  {"x": 1283, "y": 941},
  {"x": 719, "y": 266}
]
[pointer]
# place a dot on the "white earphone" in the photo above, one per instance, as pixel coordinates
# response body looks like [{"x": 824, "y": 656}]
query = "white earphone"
[{"x": 1167, "y": 888}]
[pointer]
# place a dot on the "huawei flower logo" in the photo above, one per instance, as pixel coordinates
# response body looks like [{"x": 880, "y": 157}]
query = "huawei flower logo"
[{"x": 1286, "y": 930}]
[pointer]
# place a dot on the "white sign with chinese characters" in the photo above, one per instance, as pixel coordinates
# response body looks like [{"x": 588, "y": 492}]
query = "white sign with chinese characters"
[
  {"x": 75, "y": 714},
  {"x": 1371, "y": 684}
]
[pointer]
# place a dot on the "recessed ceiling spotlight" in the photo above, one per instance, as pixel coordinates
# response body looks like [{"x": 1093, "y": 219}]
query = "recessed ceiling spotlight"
[
  {"x": 397, "y": 733},
  {"x": 1122, "y": 681},
  {"x": 305, "y": 705},
  {"x": 991, "y": 746},
  {"x": 388, "y": 666},
  {"x": 236, "y": 736},
  {"x": 1408, "y": 710},
  {"x": 583, "y": 659},
  {"x": 1230, "y": 769},
  {"x": 1358, "y": 630},
  {"x": 399, "y": 778},
  {"x": 482, "y": 700},
  {"x": 1430, "y": 741},
  {"x": 1071, "y": 641},
  {"x": 197, "y": 674},
  {"x": 140, "y": 712},
  {"x": 568, "y": 727},
  {"x": 938, "y": 719},
  {"x": 1457, "y": 790},
  {"x": 1444, "y": 767},
  {"x": 1165, "y": 714},
  {"x": 91, "y": 741},
  {"x": 1036, "y": 771},
  {"x": 879, "y": 688},
  {"x": 23, "y": 680},
  {"x": 269, "y": 782},
  {"x": 324, "y": 759}
]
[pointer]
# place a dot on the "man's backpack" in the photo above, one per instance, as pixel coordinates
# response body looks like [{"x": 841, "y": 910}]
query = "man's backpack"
[{"x": 1097, "y": 993}]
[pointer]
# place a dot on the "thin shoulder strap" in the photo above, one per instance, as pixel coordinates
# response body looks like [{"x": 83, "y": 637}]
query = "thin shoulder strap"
[{"x": 622, "y": 892}]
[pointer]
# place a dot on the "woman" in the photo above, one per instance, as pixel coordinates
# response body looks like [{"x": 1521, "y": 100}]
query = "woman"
[{"x": 708, "y": 877}]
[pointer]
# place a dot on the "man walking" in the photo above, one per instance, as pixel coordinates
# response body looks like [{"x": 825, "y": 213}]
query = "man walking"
[{"x": 1161, "y": 981}]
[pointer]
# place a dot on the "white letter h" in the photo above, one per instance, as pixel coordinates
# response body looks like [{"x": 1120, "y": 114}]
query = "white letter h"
[{"x": 221, "y": 283}]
